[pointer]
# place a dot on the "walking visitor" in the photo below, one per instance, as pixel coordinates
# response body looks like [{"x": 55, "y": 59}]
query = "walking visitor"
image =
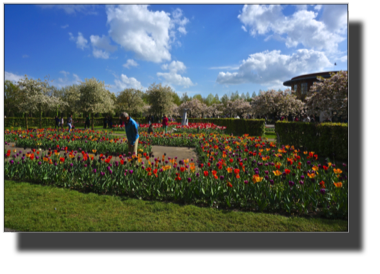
[
  {"x": 69, "y": 122},
  {"x": 131, "y": 130},
  {"x": 165, "y": 123}
]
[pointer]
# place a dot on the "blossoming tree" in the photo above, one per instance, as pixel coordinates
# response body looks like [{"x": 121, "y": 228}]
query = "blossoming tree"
[
  {"x": 35, "y": 94},
  {"x": 329, "y": 95},
  {"x": 274, "y": 102},
  {"x": 95, "y": 98}
]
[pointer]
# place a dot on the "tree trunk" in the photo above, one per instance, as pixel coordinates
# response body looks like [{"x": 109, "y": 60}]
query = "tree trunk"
[{"x": 92, "y": 121}]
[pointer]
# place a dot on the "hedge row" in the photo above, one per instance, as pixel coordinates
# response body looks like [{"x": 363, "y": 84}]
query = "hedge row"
[
  {"x": 253, "y": 127},
  {"x": 326, "y": 139},
  {"x": 50, "y": 122}
]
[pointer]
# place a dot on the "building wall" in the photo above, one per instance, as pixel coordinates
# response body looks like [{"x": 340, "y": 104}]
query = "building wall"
[{"x": 298, "y": 92}]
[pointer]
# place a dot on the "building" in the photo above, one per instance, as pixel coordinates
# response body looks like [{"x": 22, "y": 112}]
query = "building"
[{"x": 301, "y": 85}]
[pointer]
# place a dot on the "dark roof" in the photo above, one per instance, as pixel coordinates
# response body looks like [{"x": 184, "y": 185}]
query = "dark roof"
[{"x": 310, "y": 76}]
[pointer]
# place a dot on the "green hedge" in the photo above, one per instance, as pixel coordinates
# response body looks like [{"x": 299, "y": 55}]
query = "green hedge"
[
  {"x": 326, "y": 139},
  {"x": 50, "y": 122},
  {"x": 253, "y": 127}
]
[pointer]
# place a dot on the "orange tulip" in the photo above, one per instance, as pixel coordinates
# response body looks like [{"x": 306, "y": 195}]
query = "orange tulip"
[{"x": 339, "y": 184}]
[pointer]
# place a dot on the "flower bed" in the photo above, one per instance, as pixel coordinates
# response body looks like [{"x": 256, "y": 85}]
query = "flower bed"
[
  {"x": 86, "y": 140},
  {"x": 238, "y": 172}
]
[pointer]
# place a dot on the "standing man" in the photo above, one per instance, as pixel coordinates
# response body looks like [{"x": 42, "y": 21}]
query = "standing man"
[
  {"x": 165, "y": 123},
  {"x": 131, "y": 129}
]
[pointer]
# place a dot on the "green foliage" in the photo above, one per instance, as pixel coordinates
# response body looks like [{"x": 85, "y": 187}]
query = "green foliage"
[{"x": 327, "y": 139}]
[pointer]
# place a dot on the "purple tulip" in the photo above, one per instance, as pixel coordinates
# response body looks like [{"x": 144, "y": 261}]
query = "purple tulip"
[
  {"x": 245, "y": 182},
  {"x": 94, "y": 170},
  {"x": 302, "y": 177},
  {"x": 71, "y": 164},
  {"x": 271, "y": 182},
  {"x": 266, "y": 172},
  {"x": 11, "y": 162},
  {"x": 197, "y": 174},
  {"x": 85, "y": 165},
  {"x": 291, "y": 183},
  {"x": 131, "y": 171},
  {"x": 323, "y": 191},
  {"x": 266, "y": 177},
  {"x": 301, "y": 182},
  {"x": 189, "y": 180}
]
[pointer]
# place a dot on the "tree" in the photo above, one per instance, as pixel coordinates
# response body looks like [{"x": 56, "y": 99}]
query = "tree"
[
  {"x": 185, "y": 98},
  {"x": 35, "y": 97},
  {"x": 216, "y": 109},
  {"x": 199, "y": 97},
  {"x": 276, "y": 103},
  {"x": 254, "y": 94},
  {"x": 71, "y": 97},
  {"x": 216, "y": 99},
  {"x": 130, "y": 100},
  {"x": 94, "y": 98},
  {"x": 209, "y": 100},
  {"x": 176, "y": 99},
  {"x": 194, "y": 107},
  {"x": 160, "y": 99},
  {"x": 241, "y": 107},
  {"x": 224, "y": 100},
  {"x": 235, "y": 96},
  {"x": 12, "y": 98},
  {"x": 329, "y": 95}
]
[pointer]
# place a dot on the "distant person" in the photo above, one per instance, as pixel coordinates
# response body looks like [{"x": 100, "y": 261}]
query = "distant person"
[
  {"x": 150, "y": 129},
  {"x": 306, "y": 118},
  {"x": 110, "y": 121},
  {"x": 70, "y": 122},
  {"x": 56, "y": 119},
  {"x": 62, "y": 122},
  {"x": 87, "y": 122},
  {"x": 165, "y": 123}
]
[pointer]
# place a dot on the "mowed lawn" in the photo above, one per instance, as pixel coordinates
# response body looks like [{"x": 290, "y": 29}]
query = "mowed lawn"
[{"x": 32, "y": 207}]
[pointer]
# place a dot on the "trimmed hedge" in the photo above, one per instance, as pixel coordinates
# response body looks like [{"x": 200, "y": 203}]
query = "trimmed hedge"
[
  {"x": 253, "y": 127},
  {"x": 50, "y": 122},
  {"x": 326, "y": 139}
]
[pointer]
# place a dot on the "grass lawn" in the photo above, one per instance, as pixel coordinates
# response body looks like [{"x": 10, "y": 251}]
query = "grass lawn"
[{"x": 31, "y": 207}]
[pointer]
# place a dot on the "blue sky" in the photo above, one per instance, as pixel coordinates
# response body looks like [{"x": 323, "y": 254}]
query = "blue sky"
[{"x": 198, "y": 49}]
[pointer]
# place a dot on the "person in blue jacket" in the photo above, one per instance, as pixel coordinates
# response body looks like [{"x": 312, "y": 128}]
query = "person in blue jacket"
[{"x": 132, "y": 131}]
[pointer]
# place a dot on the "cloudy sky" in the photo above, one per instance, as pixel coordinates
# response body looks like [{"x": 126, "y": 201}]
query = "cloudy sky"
[{"x": 198, "y": 49}]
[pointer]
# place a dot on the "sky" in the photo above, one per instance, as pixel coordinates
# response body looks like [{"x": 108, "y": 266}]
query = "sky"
[{"x": 197, "y": 49}]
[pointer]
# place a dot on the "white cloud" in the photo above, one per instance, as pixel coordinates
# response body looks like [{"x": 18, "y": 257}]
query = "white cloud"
[
  {"x": 273, "y": 68},
  {"x": 149, "y": 34},
  {"x": 102, "y": 43},
  {"x": 77, "y": 79},
  {"x": 343, "y": 58},
  {"x": 64, "y": 73},
  {"x": 79, "y": 40},
  {"x": 129, "y": 63},
  {"x": 98, "y": 53},
  {"x": 244, "y": 28},
  {"x": 65, "y": 26},
  {"x": 172, "y": 77},
  {"x": 317, "y": 7},
  {"x": 25, "y": 56},
  {"x": 299, "y": 28},
  {"x": 12, "y": 77},
  {"x": 73, "y": 9},
  {"x": 128, "y": 82},
  {"x": 137, "y": 29},
  {"x": 174, "y": 66},
  {"x": 301, "y": 7}
]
